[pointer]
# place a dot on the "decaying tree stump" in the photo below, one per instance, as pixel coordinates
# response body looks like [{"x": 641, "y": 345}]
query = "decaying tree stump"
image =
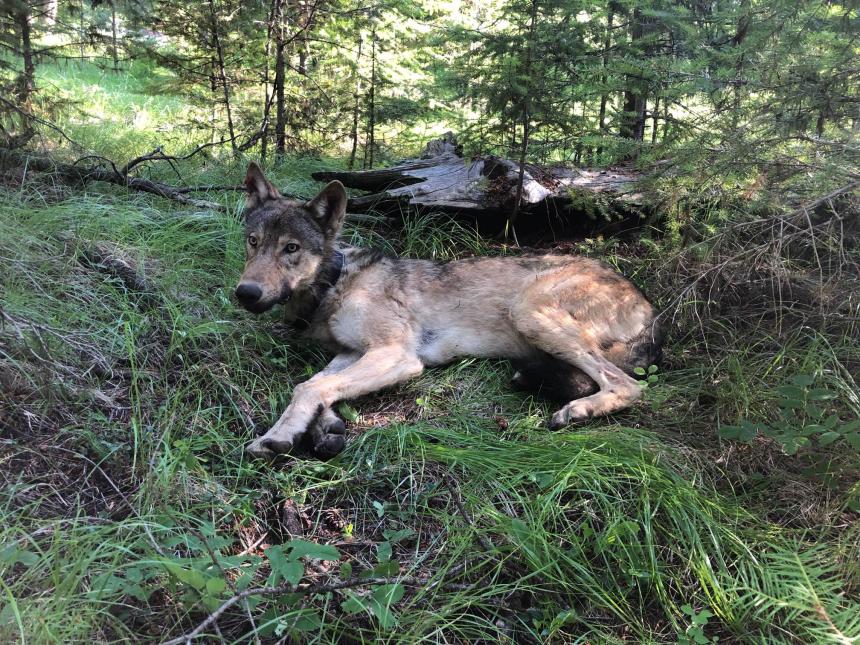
[{"x": 485, "y": 188}]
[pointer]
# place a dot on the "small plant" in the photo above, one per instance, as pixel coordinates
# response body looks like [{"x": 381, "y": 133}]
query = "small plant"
[
  {"x": 803, "y": 416},
  {"x": 695, "y": 632},
  {"x": 650, "y": 377}
]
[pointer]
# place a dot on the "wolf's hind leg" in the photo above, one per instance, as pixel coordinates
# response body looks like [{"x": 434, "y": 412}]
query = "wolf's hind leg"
[
  {"x": 556, "y": 331},
  {"x": 553, "y": 379}
]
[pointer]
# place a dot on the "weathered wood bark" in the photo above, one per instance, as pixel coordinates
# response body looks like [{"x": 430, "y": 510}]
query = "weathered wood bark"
[{"x": 486, "y": 187}]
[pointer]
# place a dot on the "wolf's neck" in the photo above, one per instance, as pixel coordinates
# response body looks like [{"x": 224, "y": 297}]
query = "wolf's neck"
[{"x": 306, "y": 303}]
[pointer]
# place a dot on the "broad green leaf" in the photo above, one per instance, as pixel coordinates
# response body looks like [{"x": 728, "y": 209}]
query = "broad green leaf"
[
  {"x": 802, "y": 380},
  {"x": 827, "y": 438},
  {"x": 790, "y": 391},
  {"x": 308, "y": 620},
  {"x": 7, "y": 615},
  {"x": 729, "y": 432},
  {"x": 832, "y": 421},
  {"x": 191, "y": 577},
  {"x": 850, "y": 426},
  {"x": 794, "y": 404},
  {"x": 215, "y": 586},
  {"x": 383, "y": 551},
  {"x": 303, "y": 548},
  {"x": 11, "y": 554},
  {"x": 747, "y": 434},
  {"x": 381, "y": 601},
  {"x": 396, "y": 536},
  {"x": 284, "y": 567},
  {"x": 814, "y": 411},
  {"x": 354, "y": 604}
]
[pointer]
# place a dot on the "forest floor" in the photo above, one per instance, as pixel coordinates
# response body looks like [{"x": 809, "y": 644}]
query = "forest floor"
[{"x": 717, "y": 509}]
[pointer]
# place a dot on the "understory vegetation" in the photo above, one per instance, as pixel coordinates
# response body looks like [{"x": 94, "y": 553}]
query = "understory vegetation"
[
  {"x": 131, "y": 383},
  {"x": 721, "y": 508}
]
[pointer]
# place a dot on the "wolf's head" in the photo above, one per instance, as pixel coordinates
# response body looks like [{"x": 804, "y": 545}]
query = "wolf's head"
[{"x": 286, "y": 242}]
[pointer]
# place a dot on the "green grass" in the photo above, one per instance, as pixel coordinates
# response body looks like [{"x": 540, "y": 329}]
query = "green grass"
[
  {"x": 124, "y": 414},
  {"x": 124, "y": 417}
]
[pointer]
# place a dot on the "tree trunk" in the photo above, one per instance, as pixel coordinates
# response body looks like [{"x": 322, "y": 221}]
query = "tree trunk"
[
  {"x": 655, "y": 115},
  {"x": 371, "y": 117},
  {"x": 26, "y": 82},
  {"x": 604, "y": 96},
  {"x": 267, "y": 98},
  {"x": 113, "y": 35},
  {"x": 633, "y": 117},
  {"x": 280, "y": 114},
  {"x": 355, "y": 106},
  {"x": 223, "y": 75},
  {"x": 526, "y": 122},
  {"x": 81, "y": 29}
]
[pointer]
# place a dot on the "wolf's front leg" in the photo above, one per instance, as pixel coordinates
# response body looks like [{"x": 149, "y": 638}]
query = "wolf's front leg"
[
  {"x": 326, "y": 423},
  {"x": 378, "y": 368}
]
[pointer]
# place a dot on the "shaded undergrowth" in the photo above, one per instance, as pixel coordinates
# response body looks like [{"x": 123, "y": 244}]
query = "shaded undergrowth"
[{"x": 130, "y": 511}]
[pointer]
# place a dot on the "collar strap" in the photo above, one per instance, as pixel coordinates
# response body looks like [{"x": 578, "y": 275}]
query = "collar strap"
[{"x": 333, "y": 271}]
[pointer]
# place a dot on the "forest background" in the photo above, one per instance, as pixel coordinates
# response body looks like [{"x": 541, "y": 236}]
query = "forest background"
[{"x": 722, "y": 508}]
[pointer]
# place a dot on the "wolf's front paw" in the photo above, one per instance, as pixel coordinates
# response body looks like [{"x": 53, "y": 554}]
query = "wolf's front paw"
[
  {"x": 328, "y": 435},
  {"x": 329, "y": 445},
  {"x": 268, "y": 447}
]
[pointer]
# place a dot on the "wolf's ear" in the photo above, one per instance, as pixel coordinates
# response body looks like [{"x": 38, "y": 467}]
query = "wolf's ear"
[
  {"x": 259, "y": 188},
  {"x": 329, "y": 207}
]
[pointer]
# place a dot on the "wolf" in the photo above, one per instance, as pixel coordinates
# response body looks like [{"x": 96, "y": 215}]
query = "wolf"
[{"x": 573, "y": 326}]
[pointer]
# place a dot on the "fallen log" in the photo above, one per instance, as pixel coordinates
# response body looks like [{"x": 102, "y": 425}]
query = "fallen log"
[{"x": 486, "y": 186}]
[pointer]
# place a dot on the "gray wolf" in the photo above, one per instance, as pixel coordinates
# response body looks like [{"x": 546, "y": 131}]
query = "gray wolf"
[{"x": 573, "y": 326}]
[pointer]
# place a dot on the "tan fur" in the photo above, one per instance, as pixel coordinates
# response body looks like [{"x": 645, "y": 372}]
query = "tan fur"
[{"x": 389, "y": 318}]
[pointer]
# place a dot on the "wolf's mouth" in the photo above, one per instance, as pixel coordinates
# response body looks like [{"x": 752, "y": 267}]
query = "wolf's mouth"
[{"x": 259, "y": 307}]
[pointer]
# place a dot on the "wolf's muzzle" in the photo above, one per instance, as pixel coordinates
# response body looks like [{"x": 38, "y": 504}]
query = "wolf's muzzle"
[{"x": 248, "y": 293}]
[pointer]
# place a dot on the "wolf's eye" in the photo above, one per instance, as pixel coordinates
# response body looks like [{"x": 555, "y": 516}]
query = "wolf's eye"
[
  {"x": 252, "y": 240},
  {"x": 292, "y": 247}
]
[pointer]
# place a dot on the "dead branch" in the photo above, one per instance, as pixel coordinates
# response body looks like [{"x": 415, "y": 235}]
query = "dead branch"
[
  {"x": 84, "y": 174},
  {"x": 108, "y": 259}
]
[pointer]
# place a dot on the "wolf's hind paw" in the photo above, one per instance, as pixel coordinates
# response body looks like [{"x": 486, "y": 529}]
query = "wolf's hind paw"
[{"x": 574, "y": 412}]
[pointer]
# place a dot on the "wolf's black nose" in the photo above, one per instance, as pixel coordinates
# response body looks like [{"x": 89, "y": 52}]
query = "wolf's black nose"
[{"x": 248, "y": 293}]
